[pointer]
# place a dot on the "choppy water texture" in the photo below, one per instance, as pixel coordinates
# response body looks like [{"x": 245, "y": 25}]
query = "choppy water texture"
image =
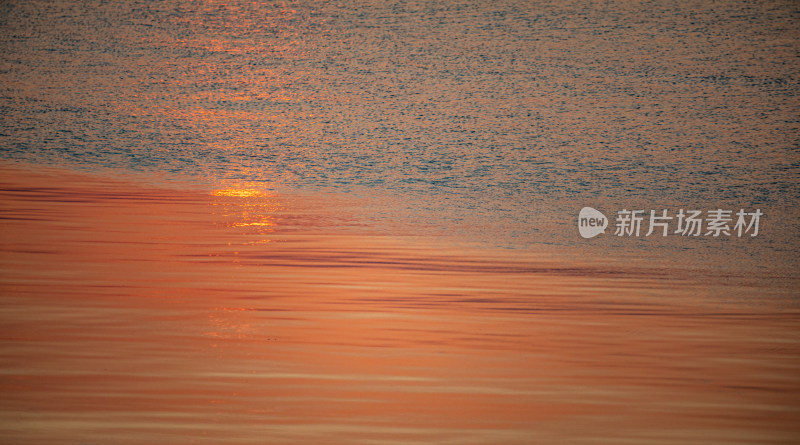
[
  {"x": 284, "y": 253},
  {"x": 487, "y": 113}
]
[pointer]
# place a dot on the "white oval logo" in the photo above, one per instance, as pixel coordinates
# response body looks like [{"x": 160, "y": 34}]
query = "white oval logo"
[{"x": 591, "y": 222}]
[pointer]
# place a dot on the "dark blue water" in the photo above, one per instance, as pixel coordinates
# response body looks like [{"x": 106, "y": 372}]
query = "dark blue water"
[{"x": 497, "y": 120}]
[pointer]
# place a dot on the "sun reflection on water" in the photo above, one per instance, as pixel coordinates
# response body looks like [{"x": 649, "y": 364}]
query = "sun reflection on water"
[
  {"x": 242, "y": 193},
  {"x": 246, "y": 207}
]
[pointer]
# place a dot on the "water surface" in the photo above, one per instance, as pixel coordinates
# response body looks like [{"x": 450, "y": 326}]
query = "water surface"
[
  {"x": 143, "y": 315},
  {"x": 497, "y": 115},
  {"x": 355, "y": 222}
]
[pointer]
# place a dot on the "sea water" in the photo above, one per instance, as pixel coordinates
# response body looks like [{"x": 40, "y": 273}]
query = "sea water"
[
  {"x": 344, "y": 222},
  {"x": 497, "y": 120}
]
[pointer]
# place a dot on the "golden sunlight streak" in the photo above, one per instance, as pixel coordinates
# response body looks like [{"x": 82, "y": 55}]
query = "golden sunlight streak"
[{"x": 240, "y": 193}]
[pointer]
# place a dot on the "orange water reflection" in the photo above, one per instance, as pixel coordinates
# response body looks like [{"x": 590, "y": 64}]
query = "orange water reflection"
[
  {"x": 247, "y": 207},
  {"x": 136, "y": 315}
]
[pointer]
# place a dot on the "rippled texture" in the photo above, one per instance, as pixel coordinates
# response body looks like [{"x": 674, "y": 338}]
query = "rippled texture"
[
  {"x": 285, "y": 253},
  {"x": 137, "y": 315},
  {"x": 484, "y": 113}
]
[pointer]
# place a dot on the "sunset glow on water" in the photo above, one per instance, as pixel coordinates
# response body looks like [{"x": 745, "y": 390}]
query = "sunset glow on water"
[
  {"x": 357, "y": 222},
  {"x": 149, "y": 315}
]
